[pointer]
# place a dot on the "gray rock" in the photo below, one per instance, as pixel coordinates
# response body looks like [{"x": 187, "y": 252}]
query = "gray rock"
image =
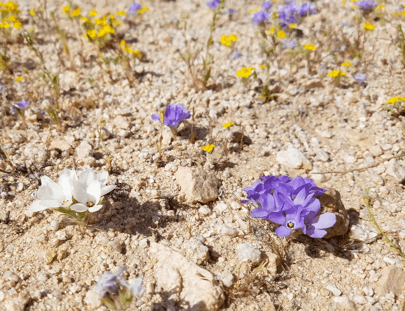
[
  {"x": 392, "y": 280},
  {"x": 197, "y": 185},
  {"x": 331, "y": 202},
  {"x": 190, "y": 285},
  {"x": 293, "y": 158},
  {"x": 196, "y": 250},
  {"x": 395, "y": 170},
  {"x": 247, "y": 252}
]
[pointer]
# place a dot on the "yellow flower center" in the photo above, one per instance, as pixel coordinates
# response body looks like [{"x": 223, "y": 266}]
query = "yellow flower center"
[{"x": 90, "y": 204}]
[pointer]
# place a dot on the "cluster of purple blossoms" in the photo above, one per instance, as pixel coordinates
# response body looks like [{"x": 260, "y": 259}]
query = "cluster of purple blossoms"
[
  {"x": 360, "y": 77},
  {"x": 214, "y": 4},
  {"x": 174, "y": 115},
  {"x": 292, "y": 12},
  {"x": 291, "y": 203},
  {"x": 260, "y": 17},
  {"x": 367, "y": 6},
  {"x": 133, "y": 9},
  {"x": 267, "y": 5},
  {"x": 20, "y": 105},
  {"x": 113, "y": 283}
]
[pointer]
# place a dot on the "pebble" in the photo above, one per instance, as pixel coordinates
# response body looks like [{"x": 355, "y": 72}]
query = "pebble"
[
  {"x": 376, "y": 151},
  {"x": 54, "y": 225},
  {"x": 247, "y": 252},
  {"x": 360, "y": 299},
  {"x": 334, "y": 290},
  {"x": 225, "y": 230},
  {"x": 293, "y": 158},
  {"x": 221, "y": 207},
  {"x": 204, "y": 210},
  {"x": 395, "y": 170},
  {"x": 227, "y": 278},
  {"x": 143, "y": 243}
]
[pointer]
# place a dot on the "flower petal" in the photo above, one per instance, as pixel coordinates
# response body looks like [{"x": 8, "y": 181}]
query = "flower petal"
[
  {"x": 95, "y": 208},
  {"x": 324, "y": 221},
  {"x": 283, "y": 231},
  {"x": 278, "y": 218},
  {"x": 315, "y": 233},
  {"x": 79, "y": 207},
  {"x": 37, "y": 206},
  {"x": 259, "y": 213},
  {"x": 107, "y": 189}
]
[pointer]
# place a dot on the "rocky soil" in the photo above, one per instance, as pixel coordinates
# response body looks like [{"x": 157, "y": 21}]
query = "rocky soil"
[{"x": 177, "y": 222}]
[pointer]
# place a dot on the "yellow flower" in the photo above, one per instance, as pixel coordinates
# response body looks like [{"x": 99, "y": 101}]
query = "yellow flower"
[
  {"x": 143, "y": 10},
  {"x": 91, "y": 33},
  {"x": 346, "y": 64},
  {"x": 112, "y": 16},
  {"x": 208, "y": 148},
  {"x": 138, "y": 54},
  {"x": 281, "y": 34},
  {"x": 41, "y": 10},
  {"x": 76, "y": 12},
  {"x": 227, "y": 41},
  {"x": 66, "y": 9},
  {"x": 120, "y": 13},
  {"x": 309, "y": 47},
  {"x": 17, "y": 25},
  {"x": 344, "y": 2},
  {"x": 102, "y": 21},
  {"x": 84, "y": 19},
  {"x": 123, "y": 43},
  {"x": 32, "y": 12},
  {"x": 336, "y": 73},
  {"x": 380, "y": 6},
  {"x": 395, "y": 99},
  {"x": 106, "y": 29},
  {"x": 263, "y": 66},
  {"x": 253, "y": 11},
  {"x": 93, "y": 13},
  {"x": 368, "y": 26},
  {"x": 244, "y": 72},
  {"x": 229, "y": 124},
  {"x": 4, "y": 25},
  {"x": 271, "y": 30},
  {"x": 19, "y": 79},
  {"x": 116, "y": 23},
  {"x": 293, "y": 26}
]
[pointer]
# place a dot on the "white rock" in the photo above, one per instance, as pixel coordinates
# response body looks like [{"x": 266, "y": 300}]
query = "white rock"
[
  {"x": 247, "y": 252},
  {"x": 345, "y": 303},
  {"x": 221, "y": 206},
  {"x": 143, "y": 243},
  {"x": 83, "y": 150},
  {"x": 54, "y": 225},
  {"x": 293, "y": 158},
  {"x": 204, "y": 210},
  {"x": 360, "y": 299},
  {"x": 93, "y": 299},
  {"x": 376, "y": 151},
  {"x": 395, "y": 170},
  {"x": 196, "y": 250},
  {"x": 225, "y": 230},
  {"x": 322, "y": 154},
  {"x": 334, "y": 290},
  {"x": 193, "y": 286},
  {"x": 318, "y": 178},
  {"x": 227, "y": 278},
  {"x": 1, "y": 295},
  {"x": 348, "y": 158}
]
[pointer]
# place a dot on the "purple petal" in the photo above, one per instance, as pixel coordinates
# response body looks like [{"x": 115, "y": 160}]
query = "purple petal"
[
  {"x": 278, "y": 218},
  {"x": 324, "y": 221},
  {"x": 315, "y": 233},
  {"x": 283, "y": 231},
  {"x": 155, "y": 117},
  {"x": 259, "y": 213}
]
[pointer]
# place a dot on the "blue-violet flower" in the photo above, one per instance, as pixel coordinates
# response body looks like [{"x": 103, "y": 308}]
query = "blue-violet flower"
[{"x": 174, "y": 115}]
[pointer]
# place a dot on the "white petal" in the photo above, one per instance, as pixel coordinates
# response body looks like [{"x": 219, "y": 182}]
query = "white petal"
[
  {"x": 50, "y": 190},
  {"x": 79, "y": 207},
  {"x": 107, "y": 189},
  {"x": 36, "y": 206},
  {"x": 94, "y": 189},
  {"x": 95, "y": 208},
  {"x": 80, "y": 194},
  {"x": 102, "y": 178},
  {"x": 87, "y": 176}
]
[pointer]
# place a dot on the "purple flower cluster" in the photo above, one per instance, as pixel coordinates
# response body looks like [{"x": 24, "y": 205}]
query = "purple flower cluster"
[
  {"x": 290, "y": 13},
  {"x": 291, "y": 203},
  {"x": 113, "y": 283},
  {"x": 232, "y": 11},
  {"x": 20, "y": 105},
  {"x": 174, "y": 115},
  {"x": 260, "y": 17},
  {"x": 133, "y": 9},
  {"x": 360, "y": 77},
  {"x": 367, "y": 6},
  {"x": 267, "y": 5},
  {"x": 291, "y": 44},
  {"x": 214, "y": 4}
]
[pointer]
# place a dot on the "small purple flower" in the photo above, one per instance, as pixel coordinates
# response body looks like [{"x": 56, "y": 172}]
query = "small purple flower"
[
  {"x": 20, "y": 105},
  {"x": 360, "y": 77},
  {"x": 260, "y": 17},
  {"x": 2, "y": 88},
  {"x": 136, "y": 287},
  {"x": 174, "y": 115},
  {"x": 342, "y": 48},
  {"x": 400, "y": 9},
  {"x": 290, "y": 13},
  {"x": 235, "y": 55},
  {"x": 314, "y": 225},
  {"x": 133, "y": 9},
  {"x": 367, "y": 6},
  {"x": 42, "y": 112},
  {"x": 110, "y": 282},
  {"x": 289, "y": 221},
  {"x": 214, "y": 4},
  {"x": 267, "y": 5},
  {"x": 291, "y": 44},
  {"x": 232, "y": 11},
  {"x": 307, "y": 9}
]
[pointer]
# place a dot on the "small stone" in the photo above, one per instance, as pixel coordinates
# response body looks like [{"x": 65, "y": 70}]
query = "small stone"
[
  {"x": 227, "y": 278},
  {"x": 197, "y": 185},
  {"x": 322, "y": 154},
  {"x": 293, "y": 158},
  {"x": 376, "y": 151},
  {"x": 221, "y": 207},
  {"x": 311, "y": 84},
  {"x": 248, "y": 252},
  {"x": 54, "y": 225},
  {"x": 83, "y": 150},
  {"x": 93, "y": 299},
  {"x": 334, "y": 290},
  {"x": 1, "y": 295},
  {"x": 196, "y": 250},
  {"x": 318, "y": 178},
  {"x": 392, "y": 280},
  {"x": 115, "y": 245},
  {"x": 123, "y": 133},
  {"x": 225, "y": 230},
  {"x": 143, "y": 243},
  {"x": 204, "y": 210},
  {"x": 360, "y": 299},
  {"x": 348, "y": 158},
  {"x": 345, "y": 303},
  {"x": 395, "y": 170}
]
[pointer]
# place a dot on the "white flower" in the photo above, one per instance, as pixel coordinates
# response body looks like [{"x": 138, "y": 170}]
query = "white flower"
[
  {"x": 51, "y": 194},
  {"x": 88, "y": 190}
]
